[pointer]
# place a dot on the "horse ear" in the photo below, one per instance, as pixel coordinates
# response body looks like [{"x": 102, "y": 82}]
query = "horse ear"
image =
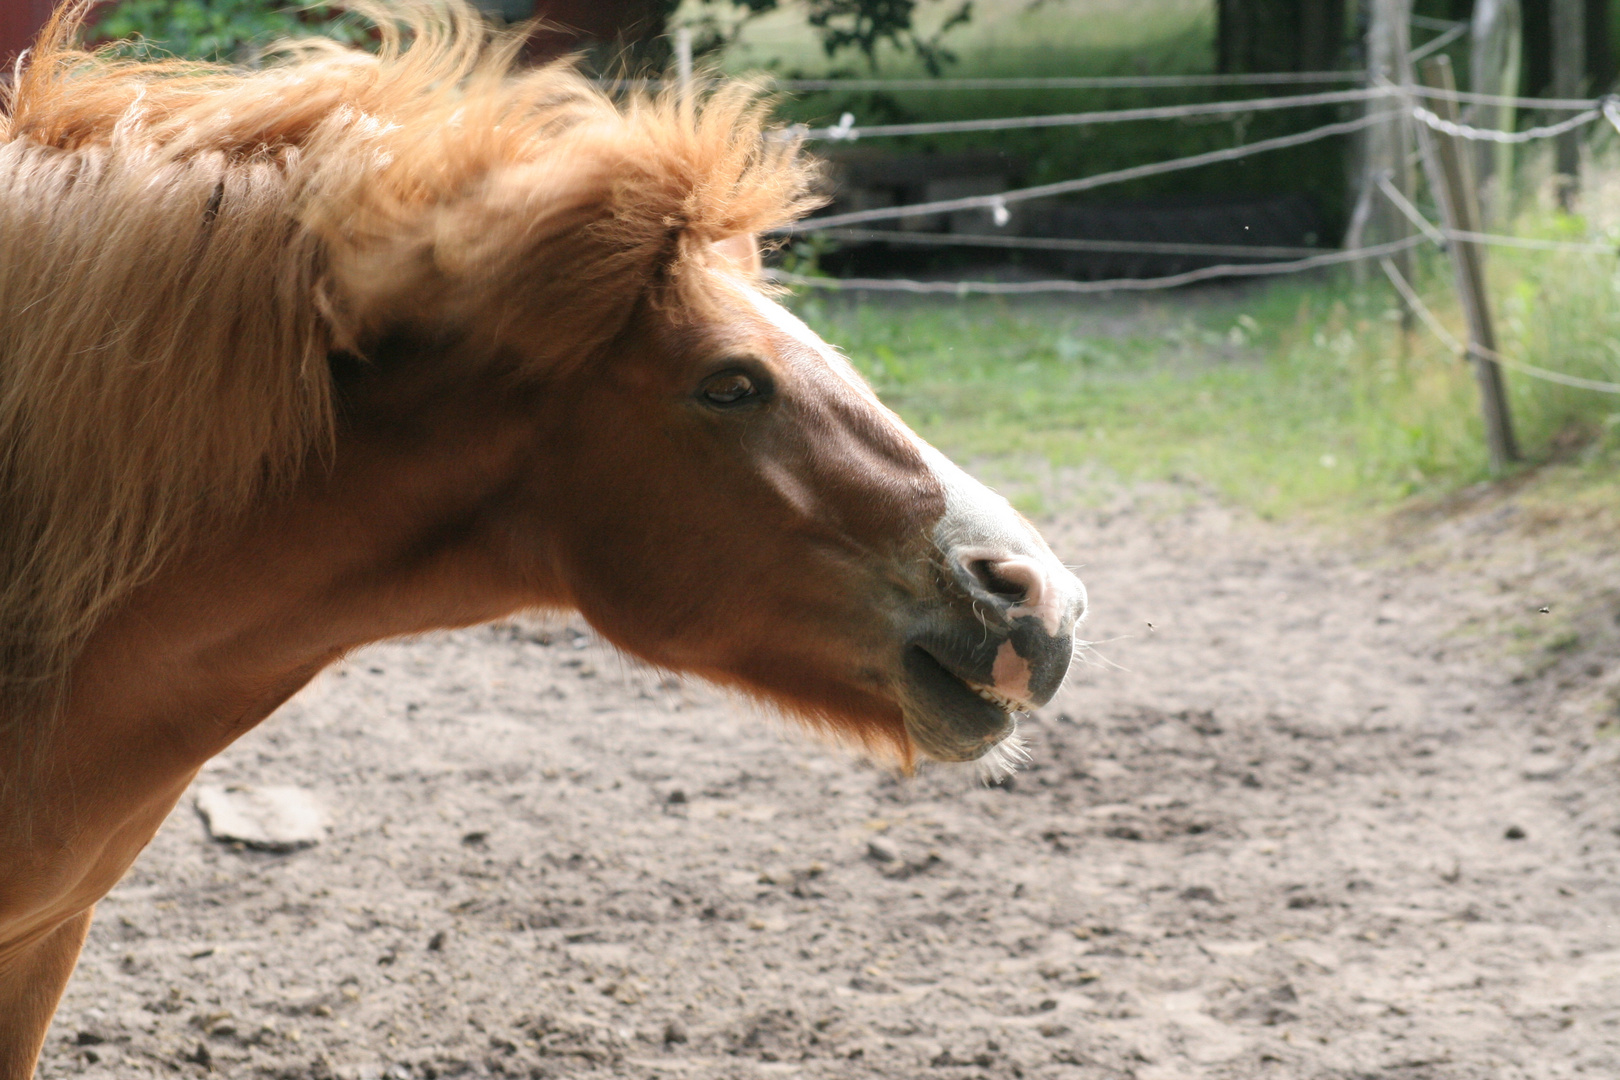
[{"x": 742, "y": 252}]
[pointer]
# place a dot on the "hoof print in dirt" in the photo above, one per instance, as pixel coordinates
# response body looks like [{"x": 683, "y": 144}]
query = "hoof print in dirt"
[
  {"x": 890, "y": 863},
  {"x": 1271, "y": 1007},
  {"x": 773, "y": 1035},
  {"x": 577, "y": 1037}
]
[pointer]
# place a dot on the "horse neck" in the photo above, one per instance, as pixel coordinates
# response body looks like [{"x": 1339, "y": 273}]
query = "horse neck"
[{"x": 396, "y": 533}]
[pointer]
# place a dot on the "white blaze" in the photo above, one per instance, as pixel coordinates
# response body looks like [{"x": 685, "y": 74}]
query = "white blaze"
[{"x": 977, "y": 523}]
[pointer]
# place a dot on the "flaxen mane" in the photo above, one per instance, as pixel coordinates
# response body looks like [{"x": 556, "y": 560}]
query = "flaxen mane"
[{"x": 184, "y": 245}]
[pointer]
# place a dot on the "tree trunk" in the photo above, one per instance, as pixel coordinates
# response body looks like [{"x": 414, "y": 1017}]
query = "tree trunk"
[
  {"x": 1494, "y": 61},
  {"x": 1279, "y": 35},
  {"x": 1386, "y": 147},
  {"x": 1569, "y": 81},
  {"x": 1538, "y": 48}
]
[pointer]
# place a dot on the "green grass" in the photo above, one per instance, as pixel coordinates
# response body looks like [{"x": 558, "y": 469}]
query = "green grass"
[
  {"x": 1298, "y": 397},
  {"x": 1004, "y": 37},
  {"x": 1271, "y": 397}
]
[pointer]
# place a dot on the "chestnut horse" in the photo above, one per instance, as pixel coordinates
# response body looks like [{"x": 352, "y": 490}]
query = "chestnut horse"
[{"x": 353, "y": 346}]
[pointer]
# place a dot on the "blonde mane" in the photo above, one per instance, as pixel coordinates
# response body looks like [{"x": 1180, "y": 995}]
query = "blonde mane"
[{"x": 186, "y": 244}]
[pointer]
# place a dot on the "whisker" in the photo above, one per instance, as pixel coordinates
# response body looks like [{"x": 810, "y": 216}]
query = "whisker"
[
  {"x": 1084, "y": 651},
  {"x": 1005, "y": 758}
]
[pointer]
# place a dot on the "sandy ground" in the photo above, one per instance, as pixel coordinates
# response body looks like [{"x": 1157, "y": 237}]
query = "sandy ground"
[{"x": 1348, "y": 810}]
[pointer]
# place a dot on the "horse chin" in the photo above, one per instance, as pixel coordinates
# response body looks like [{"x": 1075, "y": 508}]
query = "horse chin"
[{"x": 948, "y": 718}]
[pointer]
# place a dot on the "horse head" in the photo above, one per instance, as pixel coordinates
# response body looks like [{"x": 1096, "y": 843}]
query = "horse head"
[
  {"x": 742, "y": 506},
  {"x": 716, "y": 489}
]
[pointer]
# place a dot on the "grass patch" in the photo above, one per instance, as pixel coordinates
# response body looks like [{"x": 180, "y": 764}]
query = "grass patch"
[
  {"x": 1285, "y": 398},
  {"x": 1297, "y": 397},
  {"x": 1003, "y": 37}
]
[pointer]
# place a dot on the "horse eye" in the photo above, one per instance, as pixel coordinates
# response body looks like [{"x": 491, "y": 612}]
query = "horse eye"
[{"x": 729, "y": 388}]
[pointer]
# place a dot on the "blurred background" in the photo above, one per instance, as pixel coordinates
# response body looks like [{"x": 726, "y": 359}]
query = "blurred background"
[{"x": 1292, "y": 387}]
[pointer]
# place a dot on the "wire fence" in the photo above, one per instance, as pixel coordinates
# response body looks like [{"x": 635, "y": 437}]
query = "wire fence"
[
  {"x": 1056, "y": 82},
  {"x": 1466, "y": 131},
  {"x": 1275, "y": 259},
  {"x": 1054, "y": 243},
  {"x": 1468, "y": 97},
  {"x": 1441, "y": 235},
  {"x": 1063, "y": 285},
  {"x": 849, "y": 131},
  {"x": 1078, "y": 82},
  {"x": 1000, "y": 201},
  {"x": 1445, "y": 39},
  {"x": 1460, "y": 350}
]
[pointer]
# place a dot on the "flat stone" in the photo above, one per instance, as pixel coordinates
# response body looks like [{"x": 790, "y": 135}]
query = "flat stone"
[
  {"x": 266, "y": 818},
  {"x": 882, "y": 851}
]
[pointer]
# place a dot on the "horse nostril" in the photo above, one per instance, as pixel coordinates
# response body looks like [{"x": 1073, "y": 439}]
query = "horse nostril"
[{"x": 1012, "y": 580}]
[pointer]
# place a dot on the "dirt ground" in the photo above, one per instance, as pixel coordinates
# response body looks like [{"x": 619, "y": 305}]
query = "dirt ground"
[{"x": 1346, "y": 809}]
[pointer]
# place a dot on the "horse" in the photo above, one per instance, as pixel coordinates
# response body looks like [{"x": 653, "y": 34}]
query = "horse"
[{"x": 354, "y": 345}]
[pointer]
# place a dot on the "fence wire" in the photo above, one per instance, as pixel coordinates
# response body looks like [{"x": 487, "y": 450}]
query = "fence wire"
[
  {"x": 1467, "y": 97},
  {"x": 850, "y": 131},
  {"x": 1404, "y": 205},
  {"x": 1430, "y": 47},
  {"x": 1441, "y": 235},
  {"x": 1467, "y": 131},
  {"x": 1458, "y": 349},
  {"x": 1048, "y": 243},
  {"x": 997, "y": 203},
  {"x": 1061, "y": 285},
  {"x": 1082, "y": 82},
  {"x": 1429, "y": 22}
]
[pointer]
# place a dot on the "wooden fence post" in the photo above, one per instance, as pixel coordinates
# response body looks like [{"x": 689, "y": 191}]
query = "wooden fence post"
[{"x": 1459, "y": 208}]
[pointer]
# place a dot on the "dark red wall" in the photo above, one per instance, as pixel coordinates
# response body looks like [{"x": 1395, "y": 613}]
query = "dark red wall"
[{"x": 20, "y": 20}]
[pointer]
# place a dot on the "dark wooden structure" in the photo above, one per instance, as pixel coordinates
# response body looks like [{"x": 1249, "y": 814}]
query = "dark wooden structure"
[
  {"x": 1280, "y": 35},
  {"x": 628, "y": 31}
]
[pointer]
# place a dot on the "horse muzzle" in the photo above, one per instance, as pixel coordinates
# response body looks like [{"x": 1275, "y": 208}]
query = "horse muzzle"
[{"x": 998, "y": 642}]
